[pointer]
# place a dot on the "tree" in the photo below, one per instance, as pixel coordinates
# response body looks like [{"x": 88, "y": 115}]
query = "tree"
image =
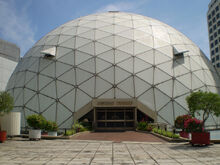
[
  {"x": 6, "y": 103},
  {"x": 204, "y": 103}
]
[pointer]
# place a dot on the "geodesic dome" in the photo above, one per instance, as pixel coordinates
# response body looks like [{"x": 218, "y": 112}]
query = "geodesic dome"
[{"x": 111, "y": 55}]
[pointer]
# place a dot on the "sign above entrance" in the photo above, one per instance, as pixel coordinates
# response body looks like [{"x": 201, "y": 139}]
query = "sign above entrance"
[{"x": 114, "y": 103}]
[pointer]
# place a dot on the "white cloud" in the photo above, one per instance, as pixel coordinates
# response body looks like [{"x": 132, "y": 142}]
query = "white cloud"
[
  {"x": 15, "y": 26},
  {"x": 122, "y": 6}
]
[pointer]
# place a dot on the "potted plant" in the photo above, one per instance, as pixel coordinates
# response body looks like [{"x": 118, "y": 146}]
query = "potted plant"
[
  {"x": 179, "y": 123},
  {"x": 36, "y": 122},
  {"x": 142, "y": 125},
  {"x": 6, "y": 105},
  {"x": 203, "y": 104},
  {"x": 52, "y": 128}
]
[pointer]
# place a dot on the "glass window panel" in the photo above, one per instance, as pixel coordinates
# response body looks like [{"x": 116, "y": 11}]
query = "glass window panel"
[
  {"x": 121, "y": 94},
  {"x": 63, "y": 114},
  {"x": 33, "y": 104},
  {"x": 107, "y": 56},
  {"x": 179, "y": 89},
  {"x": 127, "y": 86},
  {"x": 179, "y": 110},
  {"x": 148, "y": 99},
  {"x": 62, "y": 51},
  {"x": 88, "y": 86},
  {"x": 101, "y": 86},
  {"x": 27, "y": 94},
  {"x": 50, "y": 90},
  {"x": 140, "y": 65},
  {"x": 167, "y": 50},
  {"x": 120, "y": 75},
  {"x": 100, "y": 34},
  {"x": 108, "y": 75},
  {"x": 140, "y": 48},
  {"x": 81, "y": 41},
  {"x": 50, "y": 113},
  {"x": 82, "y": 76},
  {"x": 146, "y": 75},
  {"x": 81, "y": 99},
  {"x": 127, "y": 34},
  {"x": 88, "y": 65},
  {"x": 109, "y": 41},
  {"x": 196, "y": 83},
  {"x": 186, "y": 80},
  {"x": 127, "y": 65},
  {"x": 43, "y": 81},
  {"x": 166, "y": 87},
  {"x": 140, "y": 86},
  {"x": 159, "y": 43},
  {"x": 69, "y": 100},
  {"x": 160, "y": 76},
  {"x": 62, "y": 88},
  {"x": 70, "y": 43},
  {"x": 160, "y": 99},
  {"x": 147, "y": 56},
  {"x": 70, "y": 31},
  {"x": 45, "y": 102},
  {"x": 100, "y": 48},
  {"x": 127, "y": 48},
  {"x": 167, "y": 114},
  {"x": 108, "y": 94},
  {"x": 160, "y": 57},
  {"x": 81, "y": 57}
]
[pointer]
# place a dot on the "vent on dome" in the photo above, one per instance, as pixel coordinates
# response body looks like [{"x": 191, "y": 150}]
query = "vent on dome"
[
  {"x": 49, "y": 53},
  {"x": 178, "y": 54}
]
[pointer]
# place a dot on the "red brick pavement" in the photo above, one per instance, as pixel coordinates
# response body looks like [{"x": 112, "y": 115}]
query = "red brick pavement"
[{"x": 118, "y": 136}]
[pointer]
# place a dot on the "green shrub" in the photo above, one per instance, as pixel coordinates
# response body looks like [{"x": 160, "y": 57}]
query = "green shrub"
[
  {"x": 165, "y": 133},
  {"x": 51, "y": 126},
  {"x": 70, "y": 132},
  {"x": 78, "y": 127},
  {"x": 142, "y": 125},
  {"x": 36, "y": 121}
]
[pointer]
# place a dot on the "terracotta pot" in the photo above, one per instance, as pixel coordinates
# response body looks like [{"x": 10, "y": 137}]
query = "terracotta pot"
[
  {"x": 3, "y": 136},
  {"x": 184, "y": 134},
  {"x": 200, "y": 138}
]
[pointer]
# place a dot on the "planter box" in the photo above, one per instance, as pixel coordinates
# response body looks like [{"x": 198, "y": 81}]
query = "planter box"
[
  {"x": 184, "y": 134},
  {"x": 201, "y": 138},
  {"x": 34, "y": 134},
  {"x": 52, "y": 133},
  {"x": 3, "y": 136}
]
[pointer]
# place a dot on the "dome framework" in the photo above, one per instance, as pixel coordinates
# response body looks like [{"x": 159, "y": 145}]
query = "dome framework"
[{"x": 111, "y": 56}]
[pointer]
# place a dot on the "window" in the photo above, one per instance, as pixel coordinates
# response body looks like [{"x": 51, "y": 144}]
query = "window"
[
  {"x": 210, "y": 30},
  {"x": 216, "y": 9},
  {"x": 219, "y": 39},
  {"x": 216, "y": 50},
  {"x": 213, "y": 20},
  {"x": 213, "y": 52},
  {"x": 213, "y": 60},
  {"x": 210, "y": 23},
  {"x": 218, "y": 65},
  {"x": 214, "y": 27},
  {"x": 209, "y": 16},
  {"x": 218, "y": 31},
  {"x": 213, "y": 12},
  {"x": 215, "y": 34},
  {"x": 217, "y": 15},
  {"x": 217, "y": 57},
  {"x": 212, "y": 45},
  {"x": 216, "y": 42},
  {"x": 211, "y": 38}
]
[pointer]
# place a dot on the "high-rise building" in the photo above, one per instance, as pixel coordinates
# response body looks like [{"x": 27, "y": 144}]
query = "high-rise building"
[
  {"x": 213, "y": 19},
  {"x": 9, "y": 57}
]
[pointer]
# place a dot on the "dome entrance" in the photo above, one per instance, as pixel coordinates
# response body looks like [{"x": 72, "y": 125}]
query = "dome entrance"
[{"x": 114, "y": 114}]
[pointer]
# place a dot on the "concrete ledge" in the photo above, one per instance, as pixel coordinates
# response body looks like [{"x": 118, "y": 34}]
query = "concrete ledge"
[
  {"x": 55, "y": 137},
  {"x": 166, "y": 138}
]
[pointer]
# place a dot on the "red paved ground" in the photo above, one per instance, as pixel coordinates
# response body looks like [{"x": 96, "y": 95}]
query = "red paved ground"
[{"x": 119, "y": 136}]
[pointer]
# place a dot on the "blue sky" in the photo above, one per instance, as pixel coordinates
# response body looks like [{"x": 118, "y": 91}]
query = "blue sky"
[{"x": 24, "y": 22}]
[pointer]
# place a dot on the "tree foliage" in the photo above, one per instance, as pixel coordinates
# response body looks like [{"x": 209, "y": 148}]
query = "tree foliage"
[
  {"x": 204, "y": 103},
  {"x": 6, "y": 103}
]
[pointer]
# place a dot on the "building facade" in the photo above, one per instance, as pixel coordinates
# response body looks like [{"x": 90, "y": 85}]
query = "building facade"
[
  {"x": 213, "y": 20},
  {"x": 9, "y": 57},
  {"x": 112, "y": 70}
]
